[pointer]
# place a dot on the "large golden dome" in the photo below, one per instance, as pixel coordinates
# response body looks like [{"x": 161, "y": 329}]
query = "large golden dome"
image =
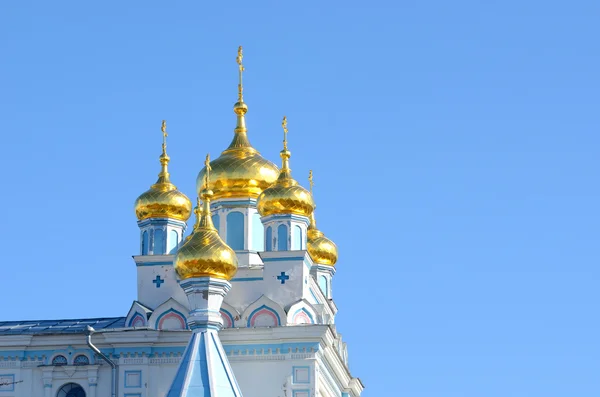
[
  {"x": 285, "y": 196},
  {"x": 240, "y": 171},
  {"x": 205, "y": 254},
  {"x": 321, "y": 249},
  {"x": 163, "y": 200}
]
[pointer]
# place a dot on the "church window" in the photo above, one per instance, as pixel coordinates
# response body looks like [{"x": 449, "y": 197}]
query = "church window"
[
  {"x": 269, "y": 239},
  {"x": 81, "y": 359},
  {"x": 297, "y": 238},
  {"x": 159, "y": 242},
  {"x": 258, "y": 233},
  {"x": 59, "y": 360},
  {"x": 173, "y": 240},
  {"x": 235, "y": 230},
  {"x": 71, "y": 390},
  {"x": 282, "y": 238},
  {"x": 323, "y": 285},
  {"x": 145, "y": 243}
]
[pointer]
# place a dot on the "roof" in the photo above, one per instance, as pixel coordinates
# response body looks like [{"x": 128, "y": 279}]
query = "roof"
[{"x": 75, "y": 326}]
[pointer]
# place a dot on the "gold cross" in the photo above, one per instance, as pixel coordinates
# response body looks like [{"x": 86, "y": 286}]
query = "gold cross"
[
  {"x": 285, "y": 132},
  {"x": 310, "y": 181},
  {"x": 208, "y": 169}
]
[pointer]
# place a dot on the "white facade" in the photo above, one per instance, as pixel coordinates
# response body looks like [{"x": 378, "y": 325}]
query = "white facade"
[{"x": 279, "y": 334}]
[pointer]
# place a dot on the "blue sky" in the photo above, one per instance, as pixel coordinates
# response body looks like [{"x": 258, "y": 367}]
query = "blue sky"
[{"x": 454, "y": 145}]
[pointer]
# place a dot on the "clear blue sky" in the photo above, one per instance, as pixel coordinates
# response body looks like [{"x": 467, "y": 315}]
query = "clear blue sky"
[{"x": 455, "y": 149}]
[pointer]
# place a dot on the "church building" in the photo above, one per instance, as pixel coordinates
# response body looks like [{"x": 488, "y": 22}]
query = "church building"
[{"x": 242, "y": 306}]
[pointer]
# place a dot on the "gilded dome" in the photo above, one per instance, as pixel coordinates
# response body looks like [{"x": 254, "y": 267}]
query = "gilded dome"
[
  {"x": 321, "y": 249},
  {"x": 163, "y": 200},
  {"x": 205, "y": 254},
  {"x": 285, "y": 196},
  {"x": 240, "y": 171}
]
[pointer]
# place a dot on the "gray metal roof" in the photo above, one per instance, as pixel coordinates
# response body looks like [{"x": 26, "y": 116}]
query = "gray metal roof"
[{"x": 74, "y": 326}]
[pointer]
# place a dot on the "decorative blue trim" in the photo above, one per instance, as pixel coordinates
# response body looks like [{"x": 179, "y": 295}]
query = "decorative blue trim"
[
  {"x": 294, "y": 380},
  {"x": 154, "y": 264},
  {"x": 296, "y": 392},
  {"x": 167, "y": 312},
  {"x": 269, "y": 309},
  {"x": 11, "y": 384},
  {"x": 136, "y": 313},
  {"x": 128, "y": 386},
  {"x": 158, "y": 281},
  {"x": 247, "y": 279},
  {"x": 303, "y": 309},
  {"x": 132, "y": 394},
  {"x": 289, "y": 258},
  {"x": 283, "y": 277},
  {"x": 161, "y": 222},
  {"x": 229, "y": 315},
  {"x": 287, "y": 217},
  {"x": 175, "y": 350},
  {"x": 314, "y": 296},
  {"x": 283, "y": 348},
  {"x": 216, "y": 205}
]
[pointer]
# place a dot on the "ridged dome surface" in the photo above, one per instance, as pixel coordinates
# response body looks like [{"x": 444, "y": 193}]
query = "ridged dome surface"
[
  {"x": 157, "y": 202},
  {"x": 321, "y": 249},
  {"x": 285, "y": 196},
  {"x": 163, "y": 200},
  {"x": 240, "y": 171},
  {"x": 204, "y": 253}
]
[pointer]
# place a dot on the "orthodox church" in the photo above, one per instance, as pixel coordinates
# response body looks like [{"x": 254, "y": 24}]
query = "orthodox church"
[{"x": 241, "y": 306}]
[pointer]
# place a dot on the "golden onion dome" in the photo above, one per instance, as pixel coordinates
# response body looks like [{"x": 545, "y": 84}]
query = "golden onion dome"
[
  {"x": 163, "y": 200},
  {"x": 240, "y": 171},
  {"x": 321, "y": 249},
  {"x": 205, "y": 254},
  {"x": 285, "y": 196}
]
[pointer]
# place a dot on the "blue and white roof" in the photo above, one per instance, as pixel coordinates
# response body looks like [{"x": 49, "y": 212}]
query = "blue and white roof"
[
  {"x": 204, "y": 370},
  {"x": 49, "y": 327}
]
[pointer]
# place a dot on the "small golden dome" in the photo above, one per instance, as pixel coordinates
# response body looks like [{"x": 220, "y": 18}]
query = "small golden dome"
[
  {"x": 285, "y": 196},
  {"x": 321, "y": 249},
  {"x": 163, "y": 200},
  {"x": 205, "y": 254},
  {"x": 240, "y": 171}
]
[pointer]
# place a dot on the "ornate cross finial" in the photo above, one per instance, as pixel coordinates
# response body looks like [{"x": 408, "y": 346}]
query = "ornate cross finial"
[
  {"x": 310, "y": 181},
  {"x": 239, "y": 58},
  {"x": 163, "y": 128},
  {"x": 285, "y": 132},
  {"x": 208, "y": 170}
]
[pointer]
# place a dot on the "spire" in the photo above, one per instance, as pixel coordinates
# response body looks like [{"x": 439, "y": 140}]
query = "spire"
[
  {"x": 285, "y": 173},
  {"x": 205, "y": 220},
  {"x": 240, "y": 139},
  {"x": 164, "y": 180},
  {"x": 313, "y": 222}
]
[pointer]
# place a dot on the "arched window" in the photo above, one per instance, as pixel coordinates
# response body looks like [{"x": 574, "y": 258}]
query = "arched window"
[
  {"x": 297, "y": 238},
  {"x": 282, "y": 238},
  {"x": 159, "y": 242},
  {"x": 323, "y": 285},
  {"x": 59, "y": 360},
  {"x": 81, "y": 359},
  {"x": 173, "y": 240},
  {"x": 269, "y": 239},
  {"x": 71, "y": 390},
  {"x": 145, "y": 243},
  {"x": 235, "y": 230},
  {"x": 258, "y": 233}
]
